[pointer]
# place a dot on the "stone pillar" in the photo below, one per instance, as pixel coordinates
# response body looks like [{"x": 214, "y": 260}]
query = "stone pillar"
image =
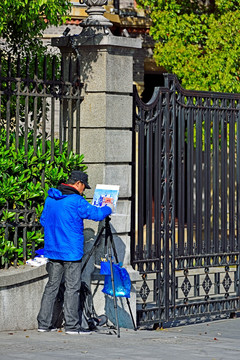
[{"x": 106, "y": 69}]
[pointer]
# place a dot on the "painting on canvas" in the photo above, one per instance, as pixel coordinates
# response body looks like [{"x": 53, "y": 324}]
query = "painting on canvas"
[{"x": 106, "y": 195}]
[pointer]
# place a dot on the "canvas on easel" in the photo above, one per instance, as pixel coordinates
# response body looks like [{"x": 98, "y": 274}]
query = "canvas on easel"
[{"x": 105, "y": 195}]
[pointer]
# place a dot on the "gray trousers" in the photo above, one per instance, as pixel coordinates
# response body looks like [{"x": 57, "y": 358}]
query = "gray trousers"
[{"x": 71, "y": 270}]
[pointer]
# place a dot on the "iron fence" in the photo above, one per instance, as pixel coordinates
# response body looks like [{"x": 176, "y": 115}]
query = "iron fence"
[{"x": 39, "y": 102}]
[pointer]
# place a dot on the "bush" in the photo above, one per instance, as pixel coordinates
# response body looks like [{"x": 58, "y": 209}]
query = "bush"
[{"x": 25, "y": 180}]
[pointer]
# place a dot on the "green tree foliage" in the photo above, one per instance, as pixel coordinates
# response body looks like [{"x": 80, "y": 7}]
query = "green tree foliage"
[
  {"x": 22, "y": 22},
  {"x": 198, "y": 40}
]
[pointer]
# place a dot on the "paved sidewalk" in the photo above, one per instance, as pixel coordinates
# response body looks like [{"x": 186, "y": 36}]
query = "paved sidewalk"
[{"x": 214, "y": 340}]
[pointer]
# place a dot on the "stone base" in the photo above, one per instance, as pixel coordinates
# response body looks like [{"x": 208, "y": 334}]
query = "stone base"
[{"x": 21, "y": 292}]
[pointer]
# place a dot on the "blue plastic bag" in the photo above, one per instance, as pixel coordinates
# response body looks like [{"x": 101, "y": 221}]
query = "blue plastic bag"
[
  {"x": 122, "y": 282},
  {"x": 105, "y": 268}
]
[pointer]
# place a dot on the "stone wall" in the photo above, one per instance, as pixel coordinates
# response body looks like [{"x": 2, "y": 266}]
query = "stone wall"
[{"x": 21, "y": 291}]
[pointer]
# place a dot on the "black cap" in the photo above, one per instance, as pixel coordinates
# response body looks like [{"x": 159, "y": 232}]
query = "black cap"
[{"x": 80, "y": 176}]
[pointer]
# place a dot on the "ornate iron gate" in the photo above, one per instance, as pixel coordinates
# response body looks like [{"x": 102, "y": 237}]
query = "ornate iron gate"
[{"x": 186, "y": 232}]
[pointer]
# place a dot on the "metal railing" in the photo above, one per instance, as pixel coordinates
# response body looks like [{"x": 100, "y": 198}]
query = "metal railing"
[{"x": 40, "y": 96}]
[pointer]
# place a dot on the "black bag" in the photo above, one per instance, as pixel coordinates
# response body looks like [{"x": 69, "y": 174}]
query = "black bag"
[
  {"x": 87, "y": 314},
  {"x": 88, "y": 318}
]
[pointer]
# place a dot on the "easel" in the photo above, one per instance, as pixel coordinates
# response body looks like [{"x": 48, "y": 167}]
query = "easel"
[{"x": 109, "y": 245}]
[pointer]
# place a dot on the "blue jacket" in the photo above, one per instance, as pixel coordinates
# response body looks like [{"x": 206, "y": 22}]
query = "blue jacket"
[{"x": 62, "y": 219}]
